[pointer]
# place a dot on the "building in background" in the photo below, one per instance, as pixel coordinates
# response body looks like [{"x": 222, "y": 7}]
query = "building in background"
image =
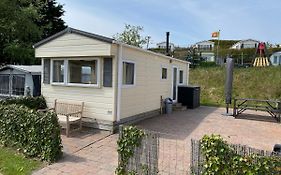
[
  {"x": 162, "y": 45},
  {"x": 20, "y": 81},
  {"x": 275, "y": 59},
  {"x": 205, "y": 49},
  {"x": 245, "y": 44}
]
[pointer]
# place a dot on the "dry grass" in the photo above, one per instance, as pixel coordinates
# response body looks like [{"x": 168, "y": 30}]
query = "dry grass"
[{"x": 260, "y": 83}]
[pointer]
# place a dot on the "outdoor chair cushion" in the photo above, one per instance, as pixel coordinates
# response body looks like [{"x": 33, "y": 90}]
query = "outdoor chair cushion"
[{"x": 62, "y": 118}]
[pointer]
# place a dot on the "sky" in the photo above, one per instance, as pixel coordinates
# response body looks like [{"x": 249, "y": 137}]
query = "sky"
[{"x": 188, "y": 21}]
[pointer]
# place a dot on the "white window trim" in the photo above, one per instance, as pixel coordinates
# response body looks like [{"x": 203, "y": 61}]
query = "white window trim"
[
  {"x": 177, "y": 82},
  {"x": 135, "y": 67},
  {"x": 66, "y": 73},
  {"x": 164, "y": 67},
  {"x": 182, "y": 77},
  {"x": 51, "y": 73}
]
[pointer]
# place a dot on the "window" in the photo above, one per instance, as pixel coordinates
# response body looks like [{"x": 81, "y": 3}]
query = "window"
[
  {"x": 164, "y": 73},
  {"x": 75, "y": 72},
  {"x": 18, "y": 84},
  {"x": 128, "y": 73},
  {"x": 46, "y": 71},
  {"x": 58, "y": 71},
  {"x": 275, "y": 60},
  {"x": 82, "y": 72},
  {"x": 4, "y": 85},
  {"x": 181, "y": 77}
]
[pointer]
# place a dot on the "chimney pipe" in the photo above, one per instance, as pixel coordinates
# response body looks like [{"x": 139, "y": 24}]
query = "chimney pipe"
[{"x": 167, "y": 44}]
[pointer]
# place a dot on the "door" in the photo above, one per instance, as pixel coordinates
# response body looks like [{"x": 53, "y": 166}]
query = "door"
[{"x": 174, "y": 83}]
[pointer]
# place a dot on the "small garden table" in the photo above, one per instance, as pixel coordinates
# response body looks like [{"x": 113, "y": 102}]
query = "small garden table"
[{"x": 273, "y": 107}]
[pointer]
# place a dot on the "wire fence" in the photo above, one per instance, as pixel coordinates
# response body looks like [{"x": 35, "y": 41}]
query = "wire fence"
[
  {"x": 197, "y": 158},
  {"x": 160, "y": 153}
]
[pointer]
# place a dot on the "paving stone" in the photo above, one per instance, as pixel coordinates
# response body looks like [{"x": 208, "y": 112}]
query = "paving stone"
[{"x": 100, "y": 158}]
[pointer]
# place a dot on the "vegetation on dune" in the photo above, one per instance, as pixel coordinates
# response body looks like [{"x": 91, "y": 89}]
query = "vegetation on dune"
[{"x": 260, "y": 83}]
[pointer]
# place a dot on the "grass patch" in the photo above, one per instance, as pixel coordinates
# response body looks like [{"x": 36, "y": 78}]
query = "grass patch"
[
  {"x": 260, "y": 83},
  {"x": 13, "y": 163}
]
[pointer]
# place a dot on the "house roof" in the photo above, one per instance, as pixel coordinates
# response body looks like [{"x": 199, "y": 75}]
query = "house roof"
[
  {"x": 28, "y": 69},
  {"x": 241, "y": 41},
  {"x": 76, "y": 31},
  {"x": 98, "y": 37},
  {"x": 278, "y": 52},
  {"x": 211, "y": 42},
  {"x": 164, "y": 43}
]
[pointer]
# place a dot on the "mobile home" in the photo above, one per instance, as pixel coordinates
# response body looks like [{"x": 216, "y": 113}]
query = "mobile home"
[{"x": 118, "y": 83}]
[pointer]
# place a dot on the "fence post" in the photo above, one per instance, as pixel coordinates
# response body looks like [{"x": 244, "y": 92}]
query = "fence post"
[{"x": 120, "y": 136}]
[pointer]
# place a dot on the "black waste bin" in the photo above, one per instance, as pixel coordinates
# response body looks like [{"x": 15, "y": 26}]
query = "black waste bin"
[
  {"x": 189, "y": 96},
  {"x": 168, "y": 105}
]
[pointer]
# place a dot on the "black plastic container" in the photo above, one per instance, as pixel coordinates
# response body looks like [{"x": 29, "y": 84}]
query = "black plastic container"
[{"x": 189, "y": 96}]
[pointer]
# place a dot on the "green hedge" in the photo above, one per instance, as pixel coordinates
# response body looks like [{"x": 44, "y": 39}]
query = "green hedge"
[
  {"x": 30, "y": 102},
  {"x": 222, "y": 159},
  {"x": 36, "y": 134}
]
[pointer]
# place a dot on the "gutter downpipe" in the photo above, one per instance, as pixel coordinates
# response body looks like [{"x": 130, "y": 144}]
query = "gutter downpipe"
[{"x": 119, "y": 81}]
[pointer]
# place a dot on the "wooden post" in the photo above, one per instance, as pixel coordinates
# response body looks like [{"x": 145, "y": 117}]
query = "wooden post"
[
  {"x": 161, "y": 104},
  {"x": 234, "y": 108}
]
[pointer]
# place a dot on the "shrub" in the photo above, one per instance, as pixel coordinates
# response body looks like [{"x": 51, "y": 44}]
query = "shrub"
[
  {"x": 36, "y": 134},
  {"x": 30, "y": 102},
  {"x": 207, "y": 64},
  {"x": 220, "y": 158}
]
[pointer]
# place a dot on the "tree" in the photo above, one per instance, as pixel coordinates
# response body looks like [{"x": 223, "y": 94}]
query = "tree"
[
  {"x": 131, "y": 35},
  {"x": 23, "y": 23},
  {"x": 18, "y": 31},
  {"x": 51, "y": 20}
]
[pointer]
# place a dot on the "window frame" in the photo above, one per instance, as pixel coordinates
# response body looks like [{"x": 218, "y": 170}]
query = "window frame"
[
  {"x": 9, "y": 84},
  {"x": 129, "y": 85},
  {"x": 181, "y": 83},
  {"x": 24, "y": 85},
  {"x": 52, "y": 72},
  {"x": 161, "y": 74},
  {"x": 81, "y": 84},
  {"x": 67, "y": 74}
]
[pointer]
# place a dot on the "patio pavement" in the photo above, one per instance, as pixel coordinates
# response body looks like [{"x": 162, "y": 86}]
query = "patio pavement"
[
  {"x": 87, "y": 152},
  {"x": 94, "y": 152}
]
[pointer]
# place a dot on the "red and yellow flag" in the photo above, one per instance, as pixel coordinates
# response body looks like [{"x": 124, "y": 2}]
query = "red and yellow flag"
[{"x": 215, "y": 34}]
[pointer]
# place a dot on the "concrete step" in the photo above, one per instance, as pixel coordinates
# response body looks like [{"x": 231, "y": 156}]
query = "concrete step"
[
  {"x": 177, "y": 105},
  {"x": 179, "y": 108}
]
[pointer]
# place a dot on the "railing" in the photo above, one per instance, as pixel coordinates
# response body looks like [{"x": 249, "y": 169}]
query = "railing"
[{"x": 160, "y": 153}]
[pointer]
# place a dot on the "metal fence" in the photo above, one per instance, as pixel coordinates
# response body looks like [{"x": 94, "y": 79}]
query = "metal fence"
[
  {"x": 197, "y": 158},
  {"x": 160, "y": 153}
]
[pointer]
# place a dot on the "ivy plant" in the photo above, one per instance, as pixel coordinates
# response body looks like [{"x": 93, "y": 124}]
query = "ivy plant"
[
  {"x": 221, "y": 159},
  {"x": 129, "y": 139}
]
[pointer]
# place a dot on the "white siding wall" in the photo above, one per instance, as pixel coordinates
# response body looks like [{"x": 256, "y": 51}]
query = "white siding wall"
[
  {"x": 71, "y": 45},
  {"x": 145, "y": 95},
  {"x": 98, "y": 101}
]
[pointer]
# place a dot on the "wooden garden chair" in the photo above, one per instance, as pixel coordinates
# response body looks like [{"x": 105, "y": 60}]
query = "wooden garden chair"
[{"x": 69, "y": 113}]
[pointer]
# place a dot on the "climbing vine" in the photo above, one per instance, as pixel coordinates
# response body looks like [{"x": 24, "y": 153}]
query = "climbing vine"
[
  {"x": 130, "y": 138},
  {"x": 220, "y": 158}
]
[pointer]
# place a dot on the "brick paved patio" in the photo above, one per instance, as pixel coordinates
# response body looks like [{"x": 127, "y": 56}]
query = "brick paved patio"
[
  {"x": 85, "y": 153},
  {"x": 95, "y": 152}
]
